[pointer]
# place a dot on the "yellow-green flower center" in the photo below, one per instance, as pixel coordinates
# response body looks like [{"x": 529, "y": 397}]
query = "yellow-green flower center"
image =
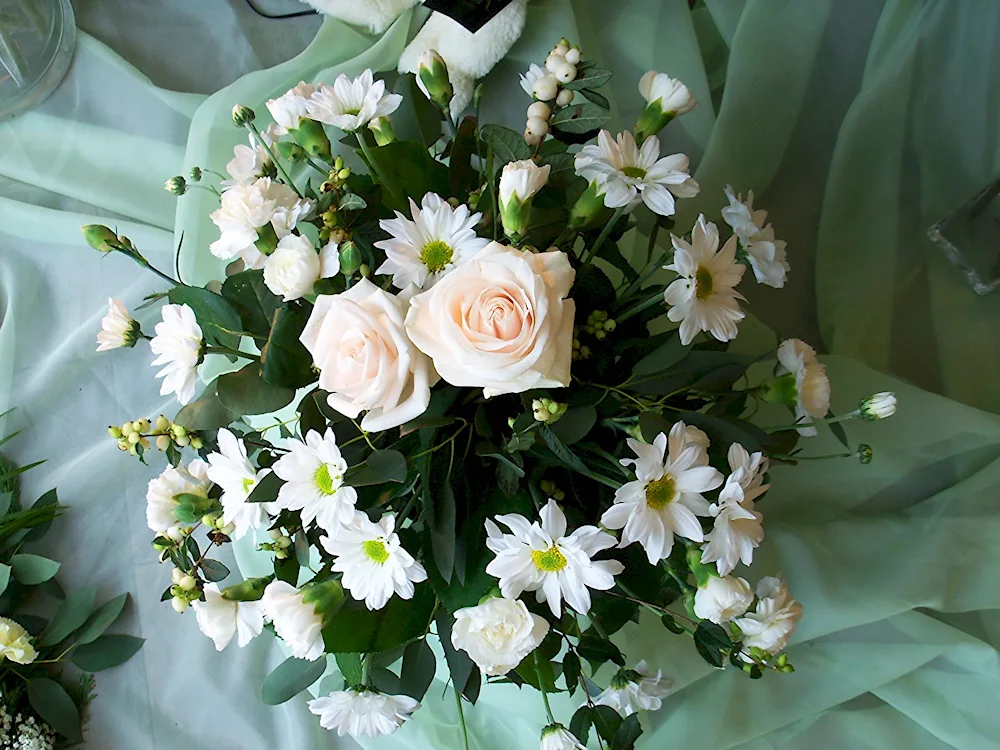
[
  {"x": 375, "y": 549},
  {"x": 635, "y": 172},
  {"x": 660, "y": 492},
  {"x": 247, "y": 484},
  {"x": 703, "y": 282},
  {"x": 550, "y": 560},
  {"x": 436, "y": 255},
  {"x": 327, "y": 483}
]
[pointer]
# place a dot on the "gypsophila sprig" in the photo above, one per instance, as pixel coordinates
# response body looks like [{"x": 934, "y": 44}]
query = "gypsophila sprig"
[{"x": 454, "y": 404}]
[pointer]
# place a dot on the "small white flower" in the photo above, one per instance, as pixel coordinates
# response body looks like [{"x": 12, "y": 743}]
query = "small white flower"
[
  {"x": 774, "y": 619},
  {"x": 118, "y": 329},
  {"x": 292, "y": 269},
  {"x": 767, "y": 255},
  {"x": 880, "y": 406},
  {"x": 722, "y": 599},
  {"x": 295, "y": 621},
  {"x": 221, "y": 619},
  {"x": 173, "y": 481},
  {"x": 230, "y": 468},
  {"x": 543, "y": 559},
  {"x": 352, "y": 104},
  {"x": 374, "y": 563},
  {"x": 423, "y": 250},
  {"x": 627, "y": 174},
  {"x": 179, "y": 342},
  {"x": 704, "y": 298},
  {"x": 812, "y": 386},
  {"x": 668, "y": 94},
  {"x": 329, "y": 260},
  {"x": 248, "y": 207},
  {"x": 249, "y": 162},
  {"x": 632, "y": 690},
  {"x": 498, "y": 634},
  {"x": 290, "y": 107},
  {"x": 557, "y": 737},
  {"x": 363, "y": 712},
  {"x": 521, "y": 180},
  {"x": 15, "y": 643},
  {"x": 314, "y": 481},
  {"x": 737, "y": 531},
  {"x": 666, "y": 497}
]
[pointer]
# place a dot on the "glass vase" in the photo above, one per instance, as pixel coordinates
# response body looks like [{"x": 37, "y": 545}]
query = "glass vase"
[{"x": 37, "y": 38}]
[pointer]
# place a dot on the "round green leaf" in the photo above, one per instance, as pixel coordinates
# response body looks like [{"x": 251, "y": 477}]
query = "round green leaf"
[
  {"x": 53, "y": 704},
  {"x": 106, "y": 652},
  {"x": 290, "y": 678},
  {"x": 101, "y": 620},
  {"x": 33, "y": 569}
]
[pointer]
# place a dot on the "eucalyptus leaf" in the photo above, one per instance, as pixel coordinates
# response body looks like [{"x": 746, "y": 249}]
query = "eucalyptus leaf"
[
  {"x": 246, "y": 392},
  {"x": 105, "y": 652},
  {"x": 4, "y": 577},
  {"x": 206, "y": 413},
  {"x": 417, "y": 672},
  {"x": 351, "y": 667},
  {"x": 290, "y": 678},
  {"x": 388, "y": 464},
  {"x": 213, "y": 570},
  {"x": 101, "y": 619},
  {"x": 53, "y": 705},
  {"x": 72, "y": 613},
  {"x": 284, "y": 359},
  {"x": 32, "y": 569},
  {"x": 266, "y": 490},
  {"x": 216, "y": 316},
  {"x": 360, "y": 630},
  {"x": 255, "y": 303},
  {"x": 39, "y": 531}
]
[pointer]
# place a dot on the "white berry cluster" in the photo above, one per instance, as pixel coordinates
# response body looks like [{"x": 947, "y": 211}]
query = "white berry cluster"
[
  {"x": 133, "y": 436},
  {"x": 560, "y": 68}
]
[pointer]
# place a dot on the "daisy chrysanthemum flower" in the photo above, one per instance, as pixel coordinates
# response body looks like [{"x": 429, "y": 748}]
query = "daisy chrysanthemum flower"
[
  {"x": 812, "y": 386},
  {"x": 635, "y": 689},
  {"x": 665, "y": 499},
  {"x": 179, "y": 343},
  {"x": 313, "y": 472},
  {"x": 361, "y": 712},
  {"x": 161, "y": 493},
  {"x": 704, "y": 298},
  {"x": 626, "y": 174},
  {"x": 118, "y": 329},
  {"x": 737, "y": 530},
  {"x": 766, "y": 255},
  {"x": 373, "y": 561},
  {"x": 544, "y": 559},
  {"x": 351, "y": 104},
  {"x": 230, "y": 468},
  {"x": 437, "y": 239}
]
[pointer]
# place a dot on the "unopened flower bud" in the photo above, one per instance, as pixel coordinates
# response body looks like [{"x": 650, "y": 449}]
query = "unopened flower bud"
[
  {"x": 880, "y": 406},
  {"x": 564, "y": 42},
  {"x": 565, "y": 97},
  {"x": 338, "y": 163},
  {"x": 144, "y": 442},
  {"x": 100, "y": 238},
  {"x": 209, "y": 520},
  {"x": 115, "y": 432},
  {"x": 242, "y": 115},
  {"x": 162, "y": 423},
  {"x": 280, "y": 554},
  {"x": 128, "y": 428},
  {"x": 275, "y": 534},
  {"x": 162, "y": 442},
  {"x": 176, "y": 185},
  {"x": 350, "y": 258},
  {"x": 382, "y": 129},
  {"x": 864, "y": 454},
  {"x": 433, "y": 80},
  {"x": 782, "y": 660},
  {"x": 510, "y": 422},
  {"x": 786, "y": 669},
  {"x": 179, "y": 604},
  {"x": 195, "y": 174}
]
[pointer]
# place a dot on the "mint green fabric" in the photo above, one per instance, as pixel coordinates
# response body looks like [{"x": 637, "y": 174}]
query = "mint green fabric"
[{"x": 857, "y": 124}]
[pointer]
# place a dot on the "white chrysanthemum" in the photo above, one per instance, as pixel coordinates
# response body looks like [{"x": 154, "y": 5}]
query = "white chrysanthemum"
[
  {"x": 362, "y": 712},
  {"x": 220, "y": 619},
  {"x": 737, "y": 530},
  {"x": 774, "y": 619},
  {"x": 15, "y": 643},
  {"x": 521, "y": 180},
  {"x": 704, "y": 298},
  {"x": 314, "y": 481},
  {"x": 498, "y": 634},
  {"x": 696, "y": 437},
  {"x": 438, "y": 238},
  {"x": 878, "y": 406},
  {"x": 230, "y": 468},
  {"x": 352, "y": 104},
  {"x": 626, "y": 174},
  {"x": 812, "y": 386},
  {"x": 669, "y": 94},
  {"x": 292, "y": 269},
  {"x": 767, "y": 255},
  {"x": 295, "y": 620},
  {"x": 246, "y": 208},
  {"x": 290, "y": 107},
  {"x": 543, "y": 559},
  {"x": 722, "y": 599},
  {"x": 632, "y": 690},
  {"x": 173, "y": 481},
  {"x": 249, "y": 162},
  {"x": 373, "y": 561},
  {"x": 557, "y": 737},
  {"x": 118, "y": 329},
  {"x": 179, "y": 342},
  {"x": 666, "y": 497}
]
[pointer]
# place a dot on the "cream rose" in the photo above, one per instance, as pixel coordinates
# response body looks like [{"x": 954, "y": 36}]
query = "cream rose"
[
  {"x": 498, "y": 634},
  {"x": 365, "y": 359},
  {"x": 499, "y": 321}
]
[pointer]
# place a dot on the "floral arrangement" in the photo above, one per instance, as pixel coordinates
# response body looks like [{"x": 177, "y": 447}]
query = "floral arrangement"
[
  {"x": 41, "y": 708},
  {"x": 449, "y": 419}
]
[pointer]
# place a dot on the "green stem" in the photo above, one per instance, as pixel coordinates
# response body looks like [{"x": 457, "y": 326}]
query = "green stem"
[
  {"x": 585, "y": 257},
  {"x": 206, "y": 188},
  {"x": 323, "y": 171},
  {"x": 230, "y": 352},
  {"x": 640, "y": 307},
  {"x": 814, "y": 423},
  {"x": 274, "y": 158},
  {"x": 461, "y": 715},
  {"x": 781, "y": 457},
  {"x": 648, "y": 270},
  {"x": 364, "y": 434},
  {"x": 545, "y": 696}
]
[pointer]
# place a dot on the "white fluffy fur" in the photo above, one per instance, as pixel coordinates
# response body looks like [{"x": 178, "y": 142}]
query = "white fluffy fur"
[
  {"x": 375, "y": 15},
  {"x": 469, "y": 56}
]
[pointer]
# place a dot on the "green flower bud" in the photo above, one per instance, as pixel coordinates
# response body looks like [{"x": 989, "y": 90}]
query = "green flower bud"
[
  {"x": 864, "y": 454},
  {"x": 382, "y": 128},
  {"x": 267, "y": 240},
  {"x": 433, "y": 80},
  {"x": 101, "y": 238},
  {"x": 588, "y": 208},
  {"x": 242, "y": 115},
  {"x": 338, "y": 163},
  {"x": 251, "y": 590},
  {"x": 176, "y": 185},
  {"x": 312, "y": 137},
  {"x": 196, "y": 174},
  {"x": 350, "y": 258},
  {"x": 786, "y": 669}
]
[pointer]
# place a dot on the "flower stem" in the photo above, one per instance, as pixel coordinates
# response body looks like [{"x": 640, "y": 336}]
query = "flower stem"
[
  {"x": 640, "y": 307},
  {"x": 814, "y": 458},
  {"x": 274, "y": 158},
  {"x": 545, "y": 695},
  {"x": 230, "y": 352},
  {"x": 461, "y": 715},
  {"x": 586, "y": 257},
  {"x": 814, "y": 423},
  {"x": 364, "y": 435}
]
